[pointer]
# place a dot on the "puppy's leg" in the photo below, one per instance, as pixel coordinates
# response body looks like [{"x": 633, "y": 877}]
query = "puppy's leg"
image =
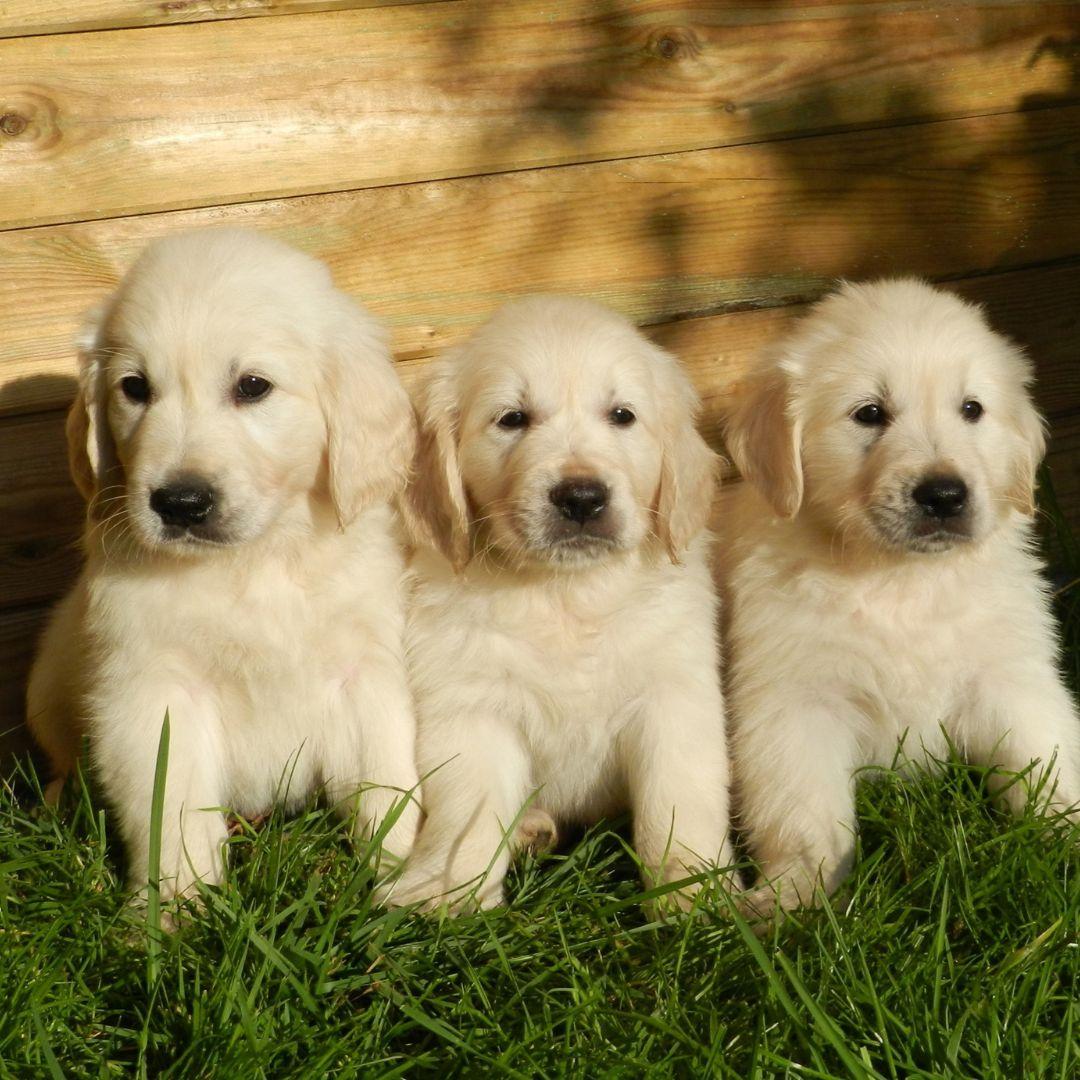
[
  {"x": 1023, "y": 714},
  {"x": 794, "y": 762},
  {"x": 125, "y": 729},
  {"x": 674, "y": 758},
  {"x": 370, "y": 749},
  {"x": 51, "y": 708},
  {"x": 52, "y": 720},
  {"x": 473, "y": 790}
]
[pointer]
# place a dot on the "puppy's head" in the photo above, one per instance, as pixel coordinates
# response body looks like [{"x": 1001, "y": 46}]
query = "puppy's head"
[
  {"x": 557, "y": 435},
  {"x": 226, "y": 388},
  {"x": 896, "y": 416}
]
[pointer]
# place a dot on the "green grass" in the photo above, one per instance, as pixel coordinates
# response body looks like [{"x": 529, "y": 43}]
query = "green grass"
[{"x": 954, "y": 951}]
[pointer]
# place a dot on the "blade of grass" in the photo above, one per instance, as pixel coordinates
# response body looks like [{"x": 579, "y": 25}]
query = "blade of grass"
[
  {"x": 153, "y": 896},
  {"x": 46, "y": 1047}
]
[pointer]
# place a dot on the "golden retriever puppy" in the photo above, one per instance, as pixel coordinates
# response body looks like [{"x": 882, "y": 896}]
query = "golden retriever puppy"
[
  {"x": 878, "y": 572},
  {"x": 561, "y": 635},
  {"x": 239, "y": 432}
]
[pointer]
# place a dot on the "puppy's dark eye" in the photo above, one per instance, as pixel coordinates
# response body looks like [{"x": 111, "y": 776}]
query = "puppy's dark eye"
[
  {"x": 252, "y": 388},
  {"x": 971, "y": 410},
  {"x": 136, "y": 388},
  {"x": 872, "y": 415},
  {"x": 622, "y": 416},
  {"x": 514, "y": 419}
]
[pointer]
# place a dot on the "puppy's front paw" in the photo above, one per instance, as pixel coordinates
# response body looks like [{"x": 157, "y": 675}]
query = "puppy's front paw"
[
  {"x": 415, "y": 886},
  {"x": 423, "y": 887},
  {"x": 172, "y": 914},
  {"x": 760, "y": 906},
  {"x": 683, "y": 900},
  {"x": 378, "y": 806},
  {"x": 770, "y": 903}
]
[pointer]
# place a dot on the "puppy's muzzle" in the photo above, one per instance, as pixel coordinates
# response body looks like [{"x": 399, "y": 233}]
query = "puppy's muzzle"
[
  {"x": 941, "y": 497},
  {"x": 580, "y": 500},
  {"x": 186, "y": 503}
]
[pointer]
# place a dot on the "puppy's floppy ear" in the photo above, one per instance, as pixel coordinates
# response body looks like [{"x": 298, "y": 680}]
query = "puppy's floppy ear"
[
  {"x": 764, "y": 438},
  {"x": 436, "y": 507},
  {"x": 371, "y": 430},
  {"x": 688, "y": 468},
  {"x": 1030, "y": 447},
  {"x": 91, "y": 450}
]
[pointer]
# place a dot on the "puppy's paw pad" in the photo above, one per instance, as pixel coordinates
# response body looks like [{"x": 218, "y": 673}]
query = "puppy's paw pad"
[{"x": 537, "y": 832}]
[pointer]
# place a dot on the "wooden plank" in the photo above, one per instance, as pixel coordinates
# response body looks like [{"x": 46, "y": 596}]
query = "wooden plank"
[
  {"x": 40, "y": 511},
  {"x": 658, "y": 238},
  {"x": 133, "y": 121},
  {"x": 20, "y": 18},
  {"x": 1038, "y": 308}
]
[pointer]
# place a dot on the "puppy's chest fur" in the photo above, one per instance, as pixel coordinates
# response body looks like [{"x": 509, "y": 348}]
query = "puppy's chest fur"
[
  {"x": 267, "y": 648},
  {"x": 565, "y": 665},
  {"x": 908, "y": 646}
]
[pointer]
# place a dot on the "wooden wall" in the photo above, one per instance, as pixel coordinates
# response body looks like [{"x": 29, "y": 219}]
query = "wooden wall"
[{"x": 705, "y": 167}]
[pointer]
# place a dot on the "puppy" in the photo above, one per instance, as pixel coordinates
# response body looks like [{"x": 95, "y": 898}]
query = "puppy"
[
  {"x": 878, "y": 572},
  {"x": 238, "y": 433},
  {"x": 561, "y": 635}
]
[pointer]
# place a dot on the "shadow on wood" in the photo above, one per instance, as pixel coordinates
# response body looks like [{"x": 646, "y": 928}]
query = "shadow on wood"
[{"x": 40, "y": 520}]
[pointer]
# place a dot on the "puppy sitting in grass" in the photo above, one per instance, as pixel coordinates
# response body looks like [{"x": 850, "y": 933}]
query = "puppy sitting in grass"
[
  {"x": 239, "y": 432},
  {"x": 878, "y": 573},
  {"x": 561, "y": 633}
]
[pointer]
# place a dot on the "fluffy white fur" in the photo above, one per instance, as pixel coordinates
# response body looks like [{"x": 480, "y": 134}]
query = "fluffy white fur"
[
  {"x": 568, "y": 670},
  {"x": 856, "y": 619},
  {"x": 273, "y": 632}
]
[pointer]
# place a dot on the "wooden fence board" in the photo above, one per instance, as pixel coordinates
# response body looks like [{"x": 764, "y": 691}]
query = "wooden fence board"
[
  {"x": 134, "y": 121},
  {"x": 20, "y": 18},
  {"x": 40, "y": 510},
  {"x": 19, "y": 631},
  {"x": 658, "y": 238}
]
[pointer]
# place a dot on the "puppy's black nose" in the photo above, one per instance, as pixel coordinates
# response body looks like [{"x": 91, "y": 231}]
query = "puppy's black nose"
[
  {"x": 184, "y": 503},
  {"x": 942, "y": 496},
  {"x": 580, "y": 500}
]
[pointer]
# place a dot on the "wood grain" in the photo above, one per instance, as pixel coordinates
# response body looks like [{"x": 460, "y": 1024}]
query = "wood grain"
[
  {"x": 658, "y": 238},
  {"x": 134, "y": 121},
  {"x": 1038, "y": 308},
  {"x": 20, "y": 18},
  {"x": 40, "y": 510}
]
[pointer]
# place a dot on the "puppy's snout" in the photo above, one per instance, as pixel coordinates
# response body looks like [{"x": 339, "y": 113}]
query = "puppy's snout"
[
  {"x": 941, "y": 496},
  {"x": 186, "y": 502},
  {"x": 580, "y": 500}
]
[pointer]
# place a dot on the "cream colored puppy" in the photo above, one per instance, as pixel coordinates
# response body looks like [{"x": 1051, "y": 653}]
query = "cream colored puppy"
[
  {"x": 239, "y": 431},
  {"x": 879, "y": 573},
  {"x": 561, "y": 635}
]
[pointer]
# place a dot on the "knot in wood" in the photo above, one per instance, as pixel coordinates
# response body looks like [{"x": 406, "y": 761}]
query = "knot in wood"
[
  {"x": 13, "y": 123},
  {"x": 675, "y": 43}
]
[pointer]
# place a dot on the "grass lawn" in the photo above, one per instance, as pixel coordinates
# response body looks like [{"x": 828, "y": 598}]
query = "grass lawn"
[{"x": 953, "y": 952}]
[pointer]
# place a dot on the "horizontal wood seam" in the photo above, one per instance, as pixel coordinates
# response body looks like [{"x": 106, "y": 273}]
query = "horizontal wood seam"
[{"x": 799, "y": 136}]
